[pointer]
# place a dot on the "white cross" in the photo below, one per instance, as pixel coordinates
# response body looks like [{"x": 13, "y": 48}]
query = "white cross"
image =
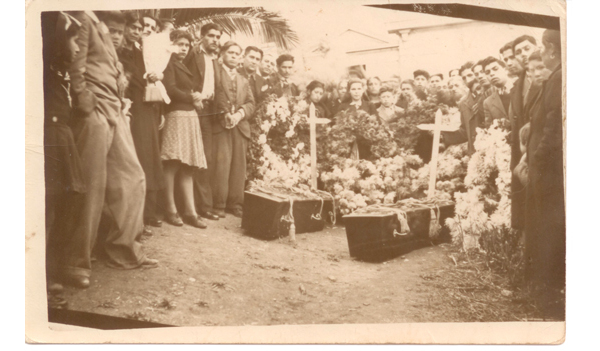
[
  {"x": 313, "y": 120},
  {"x": 437, "y": 128}
]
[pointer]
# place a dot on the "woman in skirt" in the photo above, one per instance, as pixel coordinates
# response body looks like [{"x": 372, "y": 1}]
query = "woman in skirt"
[{"x": 181, "y": 150}]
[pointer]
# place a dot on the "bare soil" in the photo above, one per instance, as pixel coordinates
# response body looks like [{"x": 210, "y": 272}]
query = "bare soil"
[{"x": 219, "y": 276}]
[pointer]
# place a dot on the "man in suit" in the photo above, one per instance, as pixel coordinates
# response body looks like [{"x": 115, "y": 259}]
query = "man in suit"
[
  {"x": 114, "y": 178},
  {"x": 281, "y": 83},
  {"x": 466, "y": 73},
  {"x": 202, "y": 62},
  {"x": 496, "y": 105},
  {"x": 267, "y": 66},
  {"x": 522, "y": 95},
  {"x": 479, "y": 72},
  {"x": 388, "y": 111},
  {"x": 470, "y": 121},
  {"x": 513, "y": 66},
  {"x": 259, "y": 85},
  {"x": 421, "y": 79},
  {"x": 231, "y": 132},
  {"x": 436, "y": 81}
]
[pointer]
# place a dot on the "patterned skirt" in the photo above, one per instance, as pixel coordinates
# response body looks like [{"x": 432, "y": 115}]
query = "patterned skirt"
[{"x": 182, "y": 139}]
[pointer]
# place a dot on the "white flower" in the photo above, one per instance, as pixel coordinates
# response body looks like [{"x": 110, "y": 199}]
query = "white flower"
[
  {"x": 289, "y": 134},
  {"x": 262, "y": 139}
]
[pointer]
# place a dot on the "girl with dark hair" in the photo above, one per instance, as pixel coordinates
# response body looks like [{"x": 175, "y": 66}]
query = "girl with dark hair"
[
  {"x": 182, "y": 150},
  {"x": 372, "y": 93},
  {"x": 314, "y": 95}
]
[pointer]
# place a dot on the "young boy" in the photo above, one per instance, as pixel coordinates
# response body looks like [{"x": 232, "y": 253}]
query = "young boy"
[{"x": 388, "y": 111}]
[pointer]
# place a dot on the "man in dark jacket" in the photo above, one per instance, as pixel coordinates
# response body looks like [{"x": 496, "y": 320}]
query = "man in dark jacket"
[
  {"x": 281, "y": 81},
  {"x": 259, "y": 85},
  {"x": 202, "y": 62},
  {"x": 521, "y": 96},
  {"x": 231, "y": 132},
  {"x": 545, "y": 230}
]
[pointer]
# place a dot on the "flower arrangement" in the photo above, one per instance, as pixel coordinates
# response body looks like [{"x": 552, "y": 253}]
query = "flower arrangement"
[
  {"x": 351, "y": 127},
  {"x": 451, "y": 172},
  {"x": 418, "y": 112},
  {"x": 485, "y": 206},
  {"x": 279, "y": 134},
  {"x": 358, "y": 183}
]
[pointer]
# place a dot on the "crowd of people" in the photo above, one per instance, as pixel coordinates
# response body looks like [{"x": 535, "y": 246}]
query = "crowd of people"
[{"x": 119, "y": 160}]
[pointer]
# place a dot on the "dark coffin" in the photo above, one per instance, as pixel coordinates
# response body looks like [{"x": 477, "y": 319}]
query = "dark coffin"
[
  {"x": 263, "y": 213},
  {"x": 371, "y": 235}
]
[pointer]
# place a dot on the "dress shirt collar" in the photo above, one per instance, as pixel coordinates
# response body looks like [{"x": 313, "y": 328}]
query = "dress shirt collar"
[
  {"x": 230, "y": 71},
  {"x": 212, "y": 57},
  {"x": 284, "y": 81},
  {"x": 507, "y": 87}
]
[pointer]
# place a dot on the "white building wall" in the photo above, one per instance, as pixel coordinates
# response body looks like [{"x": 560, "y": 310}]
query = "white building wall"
[{"x": 439, "y": 49}]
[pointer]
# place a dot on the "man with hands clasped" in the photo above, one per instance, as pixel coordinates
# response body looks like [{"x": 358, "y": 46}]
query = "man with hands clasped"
[
  {"x": 231, "y": 132},
  {"x": 202, "y": 63}
]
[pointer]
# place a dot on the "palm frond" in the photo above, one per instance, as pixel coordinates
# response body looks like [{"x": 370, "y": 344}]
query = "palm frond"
[{"x": 250, "y": 21}]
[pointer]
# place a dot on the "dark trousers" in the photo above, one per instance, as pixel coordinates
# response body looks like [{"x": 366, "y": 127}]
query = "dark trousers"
[
  {"x": 59, "y": 227},
  {"x": 229, "y": 171},
  {"x": 151, "y": 205},
  {"x": 203, "y": 195}
]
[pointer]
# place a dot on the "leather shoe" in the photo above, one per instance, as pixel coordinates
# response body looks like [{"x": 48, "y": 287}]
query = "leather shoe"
[
  {"x": 154, "y": 222},
  {"x": 149, "y": 263},
  {"x": 77, "y": 281},
  {"x": 236, "y": 212},
  {"x": 209, "y": 215},
  {"x": 194, "y": 221},
  {"x": 173, "y": 219},
  {"x": 219, "y": 213}
]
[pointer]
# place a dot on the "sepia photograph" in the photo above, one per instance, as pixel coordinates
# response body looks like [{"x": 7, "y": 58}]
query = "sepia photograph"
[{"x": 295, "y": 170}]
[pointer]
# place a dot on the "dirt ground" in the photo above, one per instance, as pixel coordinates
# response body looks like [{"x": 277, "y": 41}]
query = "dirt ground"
[{"x": 219, "y": 276}]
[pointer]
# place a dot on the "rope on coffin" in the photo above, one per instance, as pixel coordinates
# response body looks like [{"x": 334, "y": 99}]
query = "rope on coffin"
[
  {"x": 400, "y": 209},
  {"x": 276, "y": 190}
]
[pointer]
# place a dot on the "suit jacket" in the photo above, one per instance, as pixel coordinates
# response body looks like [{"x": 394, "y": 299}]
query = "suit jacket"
[
  {"x": 243, "y": 100},
  {"x": 493, "y": 108},
  {"x": 469, "y": 122},
  {"x": 333, "y": 105},
  {"x": 385, "y": 115},
  {"x": 196, "y": 63},
  {"x": 261, "y": 87},
  {"x": 179, "y": 82},
  {"x": 545, "y": 222},
  {"x": 278, "y": 89},
  {"x": 545, "y": 146},
  {"x": 94, "y": 71},
  {"x": 518, "y": 116},
  {"x": 365, "y": 106}
]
